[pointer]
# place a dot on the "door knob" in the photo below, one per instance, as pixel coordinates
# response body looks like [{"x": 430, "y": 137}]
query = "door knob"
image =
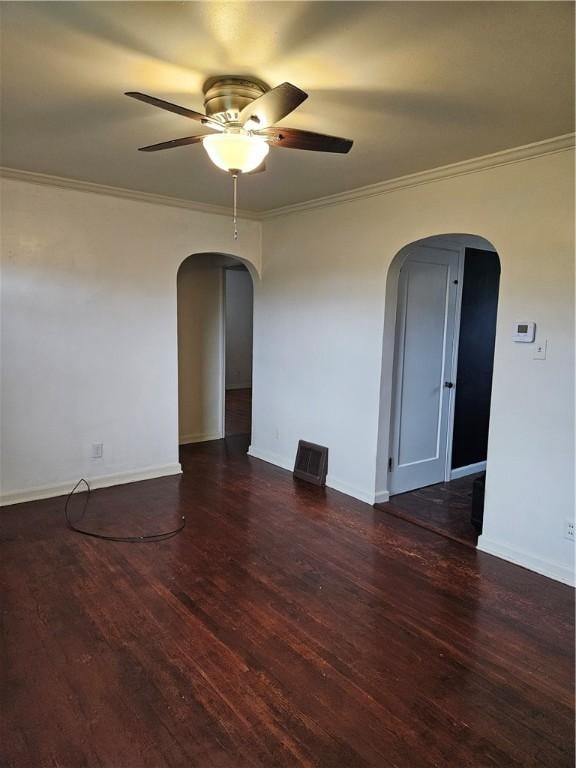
[{"x": 448, "y": 384}]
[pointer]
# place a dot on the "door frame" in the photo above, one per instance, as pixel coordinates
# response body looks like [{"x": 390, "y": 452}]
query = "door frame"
[
  {"x": 222, "y": 330},
  {"x": 459, "y": 244},
  {"x": 454, "y": 368},
  {"x": 221, "y": 263},
  {"x": 450, "y": 371}
]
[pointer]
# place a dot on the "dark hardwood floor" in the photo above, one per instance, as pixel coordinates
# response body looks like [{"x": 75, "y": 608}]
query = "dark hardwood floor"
[
  {"x": 238, "y": 412},
  {"x": 444, "y": 508},
  {"x": 285, "y": 626}
]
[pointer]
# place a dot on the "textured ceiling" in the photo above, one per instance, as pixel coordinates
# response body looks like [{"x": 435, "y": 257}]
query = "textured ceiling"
[{"x": 416, "y": 85}]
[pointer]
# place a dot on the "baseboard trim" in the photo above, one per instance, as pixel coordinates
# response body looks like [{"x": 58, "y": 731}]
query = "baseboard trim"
[
  {"x": 331, "y": 482},
  {"x": 271, "y": 458},
  {"x": 381, "y": 497},
  {"x": 532, "y": 563},
  {"x": 199, "y": 438},
  {"x": 102, "y": 481},
  {"x": 350, "y": 490},
  {"x": 469, "y": 469}
]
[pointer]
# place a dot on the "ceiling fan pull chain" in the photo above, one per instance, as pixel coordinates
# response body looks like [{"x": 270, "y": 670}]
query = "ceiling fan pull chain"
[{"x": 235, "y": 182}]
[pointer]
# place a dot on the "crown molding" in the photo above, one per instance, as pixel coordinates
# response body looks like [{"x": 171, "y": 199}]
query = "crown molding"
[
  {"x": 474, "y": 165},
  {"x": 127, "y": 194}
]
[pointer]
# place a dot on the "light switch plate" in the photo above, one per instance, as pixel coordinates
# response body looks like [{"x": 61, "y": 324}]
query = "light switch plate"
[{"x": 540, "y": 350}]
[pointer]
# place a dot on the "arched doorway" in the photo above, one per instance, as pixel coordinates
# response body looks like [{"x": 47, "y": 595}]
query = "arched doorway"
[
  {"x": 440, "y": 328},
  {"x": 214, "y": 321}
]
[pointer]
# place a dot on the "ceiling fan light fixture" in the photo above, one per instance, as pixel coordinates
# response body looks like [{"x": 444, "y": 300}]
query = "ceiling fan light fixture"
[
  {"x": 244, "y": 111},
  {"x": 236, "y": 152}
]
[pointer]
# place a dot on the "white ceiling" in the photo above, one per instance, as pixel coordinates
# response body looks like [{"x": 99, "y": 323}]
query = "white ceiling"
[{"x": 415, "y": 84}]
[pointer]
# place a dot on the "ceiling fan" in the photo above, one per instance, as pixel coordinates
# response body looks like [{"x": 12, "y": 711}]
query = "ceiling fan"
[
  {"x": 241, "y": 113},
  {"x": 240, "y": 117}
]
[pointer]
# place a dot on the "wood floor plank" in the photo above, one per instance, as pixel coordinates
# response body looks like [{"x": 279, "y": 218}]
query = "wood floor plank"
[
  {"x": 238, "y": 405},
  {"x": 445, "y": 508},
  {"x": 287, "y": 625}
]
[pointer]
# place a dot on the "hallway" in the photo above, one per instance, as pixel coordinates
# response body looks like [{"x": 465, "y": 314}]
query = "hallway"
[{"x": 238, "y": 412}]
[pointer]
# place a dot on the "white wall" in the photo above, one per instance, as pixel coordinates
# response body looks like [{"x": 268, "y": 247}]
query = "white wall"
[
  {"x": 89, "y": 351},
  {"x": 239, "y": 301},
  {"x": 200, "y": 350},
  {"x": 319, "y": 341}
]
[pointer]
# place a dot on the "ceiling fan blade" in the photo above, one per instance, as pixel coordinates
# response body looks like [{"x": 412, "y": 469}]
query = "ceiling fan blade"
[
  {"x": 272, "y": 106},
  {"x": 173, "y": 143},
  {"x": 176, "y": 108},
  {"x": 293, "y": 138}
]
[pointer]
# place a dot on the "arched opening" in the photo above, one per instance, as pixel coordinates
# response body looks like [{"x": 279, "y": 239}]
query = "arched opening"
[
  {"x": 438, "y": 357},
  {"x": 214, "y": 320}
]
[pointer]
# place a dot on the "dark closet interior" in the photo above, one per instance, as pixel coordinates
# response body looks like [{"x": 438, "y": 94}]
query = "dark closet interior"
[{"x": 475, "y": 357}]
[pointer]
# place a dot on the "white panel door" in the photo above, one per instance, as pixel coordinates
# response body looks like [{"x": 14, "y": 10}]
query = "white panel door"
[{"x": 423, "y": 359}]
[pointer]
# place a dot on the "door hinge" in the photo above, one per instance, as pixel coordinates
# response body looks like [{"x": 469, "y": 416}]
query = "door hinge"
[{"x": 390, "y": 464}]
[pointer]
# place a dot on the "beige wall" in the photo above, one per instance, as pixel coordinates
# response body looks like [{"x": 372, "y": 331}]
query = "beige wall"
[
  {"x": 200, "y": 350},
  {"x": 89, "y": 351},
  {"x": 239, "y": 301},
  {"x": 319, "y": 335}
]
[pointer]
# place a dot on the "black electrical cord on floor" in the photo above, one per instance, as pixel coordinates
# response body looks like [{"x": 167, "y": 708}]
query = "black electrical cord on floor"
[{"x": 129, "y": 539}]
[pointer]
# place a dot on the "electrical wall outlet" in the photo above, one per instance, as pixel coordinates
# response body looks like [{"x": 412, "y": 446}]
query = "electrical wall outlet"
[
  {"x": 97, "y": 450},
  {"x": 569, "y": 530}
]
